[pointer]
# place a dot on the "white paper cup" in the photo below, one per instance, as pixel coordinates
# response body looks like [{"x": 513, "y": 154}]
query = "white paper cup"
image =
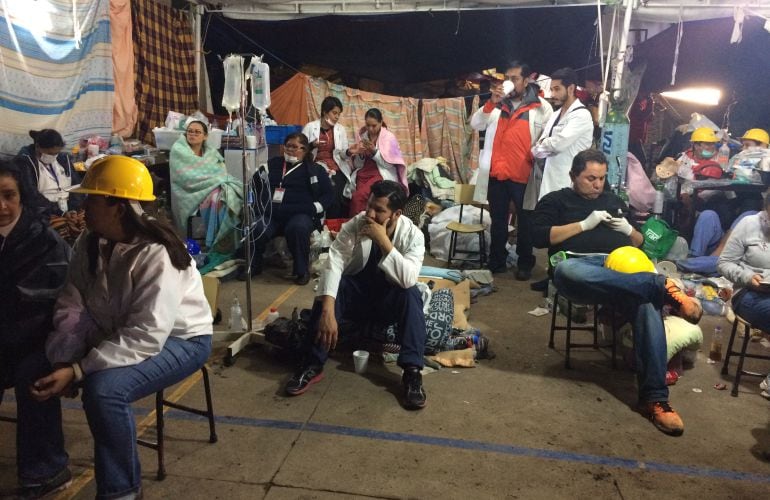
[
  {"x": 360, "y": 360},
  {"x": 92, "y": 150},
  {"x": 251, "y": 141}
]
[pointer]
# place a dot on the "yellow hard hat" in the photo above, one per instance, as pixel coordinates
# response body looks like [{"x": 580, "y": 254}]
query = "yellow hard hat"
[
  {"x": 703, "y": 134},
  {"x": 629, "y": 260},
  {"x": 118, "y": 176},
  {"x": 756, "y": 134}
]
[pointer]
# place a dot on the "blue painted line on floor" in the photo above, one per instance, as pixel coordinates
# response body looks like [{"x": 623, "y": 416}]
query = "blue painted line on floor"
[
  {"x": 463, "y": 444},
  {"x": 566, "y": 456}
]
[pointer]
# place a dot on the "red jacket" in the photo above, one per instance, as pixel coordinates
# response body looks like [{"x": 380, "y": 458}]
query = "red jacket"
[{"x": 511, "y": 150}]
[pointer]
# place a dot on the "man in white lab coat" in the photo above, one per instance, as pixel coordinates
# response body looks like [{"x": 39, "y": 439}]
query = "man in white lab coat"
[
  {"x": 568, "y": 131},
  {"x": 371, "y": 275}
]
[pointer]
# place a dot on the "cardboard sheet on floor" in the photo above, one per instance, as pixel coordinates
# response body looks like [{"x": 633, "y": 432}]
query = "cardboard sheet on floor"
[
  {"x": 461, "y": 293},
  {"x": 462, "y": 357}
]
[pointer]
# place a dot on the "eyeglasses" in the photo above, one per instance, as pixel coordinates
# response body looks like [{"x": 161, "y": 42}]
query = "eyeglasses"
[
  {"x": 292, "y": 146},
  {"x": 195, "y": 132}
]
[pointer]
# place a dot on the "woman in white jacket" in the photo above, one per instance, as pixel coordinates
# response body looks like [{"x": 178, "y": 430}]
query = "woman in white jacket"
[
  {"x": 329, "y": 143},
  {"x": 131, "y": 319}
]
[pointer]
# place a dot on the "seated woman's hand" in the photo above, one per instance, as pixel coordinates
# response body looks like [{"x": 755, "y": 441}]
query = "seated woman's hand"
[
  {"x": 58, "y": 383},
  {"x": 356, "y": 149},
  {"x": 758, "y": 285}
]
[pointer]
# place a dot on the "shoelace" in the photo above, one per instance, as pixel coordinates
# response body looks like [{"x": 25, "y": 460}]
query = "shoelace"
[{"x": 665, "y": 407}]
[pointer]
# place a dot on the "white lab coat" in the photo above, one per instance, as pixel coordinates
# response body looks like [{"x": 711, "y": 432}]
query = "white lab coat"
[
  {"x": 488, "y": 121},
  {"x": 573, "y": 134},
  {"x": 350, "y": 252},
  {"x": 124, "y": 312},
  {"x": 313, "y": 131}
]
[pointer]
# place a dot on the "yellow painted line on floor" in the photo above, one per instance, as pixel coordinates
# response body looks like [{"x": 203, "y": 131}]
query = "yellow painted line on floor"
[
  {"x": 278, "y": 301},
  {"x": 87, "y": 476}
]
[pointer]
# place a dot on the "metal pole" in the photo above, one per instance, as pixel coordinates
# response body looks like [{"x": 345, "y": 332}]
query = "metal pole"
[
  {"x": 197, "y": 11},
  {"x": 618, "y": 79},
  {"x": 246, "y": 205}
]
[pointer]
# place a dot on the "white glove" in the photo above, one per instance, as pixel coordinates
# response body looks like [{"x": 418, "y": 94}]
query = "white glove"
[
  {"x": 593, "y": 219},
  {"x": 620, "y": 224}
]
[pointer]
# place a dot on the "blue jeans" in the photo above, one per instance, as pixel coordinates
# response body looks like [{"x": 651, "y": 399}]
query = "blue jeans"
[
  {"x": 639, "y": 297},
  {"x": 500, "y": 194},
  {"x": 357, "y": 301},
  {"x": 754, "y": 307},
  {"x": 107, "y": 398},
  {"x": 40, "y": 451},
  {"x": 708, "y": 232}
]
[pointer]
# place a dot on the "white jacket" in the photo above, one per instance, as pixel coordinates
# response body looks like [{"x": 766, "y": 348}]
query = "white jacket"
[
  {"x": 350, "y": 252},
  {"x": 559, "y": 144},
  {"x": 124, "y": 312},
  {"x": 488, "y": 122},
  {"x": 313, "y": 131}
]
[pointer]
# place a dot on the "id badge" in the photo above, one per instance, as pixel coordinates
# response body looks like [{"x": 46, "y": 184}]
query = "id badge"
[{"x": 278, "y": 195}]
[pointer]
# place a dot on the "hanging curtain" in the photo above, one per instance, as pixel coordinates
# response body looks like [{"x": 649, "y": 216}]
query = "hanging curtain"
[
  {"x": 57, "y": 70},
  {"x": 446, "y": 132},
  {"x": 124, "y": 111},
  {"x": 165, "y": 64}
]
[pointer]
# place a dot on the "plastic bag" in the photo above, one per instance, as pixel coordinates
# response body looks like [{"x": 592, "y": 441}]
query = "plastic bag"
[{"x": 658, "y": 238}]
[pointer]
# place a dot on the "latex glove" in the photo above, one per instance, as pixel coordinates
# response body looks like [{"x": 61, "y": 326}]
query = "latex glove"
[
  {"x": 620, "y": 224},
  {"x": 593, "y": 219}
]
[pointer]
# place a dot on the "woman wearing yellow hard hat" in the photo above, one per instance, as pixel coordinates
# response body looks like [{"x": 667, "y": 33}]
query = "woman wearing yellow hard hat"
[{"x": 131, "y": 320}]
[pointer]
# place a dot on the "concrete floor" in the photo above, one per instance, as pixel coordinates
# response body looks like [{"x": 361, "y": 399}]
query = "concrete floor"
[{"x": 517, "y": 426}]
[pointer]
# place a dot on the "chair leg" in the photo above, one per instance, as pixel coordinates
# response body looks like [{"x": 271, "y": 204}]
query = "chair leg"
[
  {"x": 730, "y": 347},
  {"x": 159, "y": 423},
  {"x": 596, "y": 326},
  {"x": 553, "y": 320},
  {"x": 452, "y": 241},
  {"x": 741, "y": 358},
  {"x": 569, "y": 334},
  {"x": 483, "y": 249},
  {"x": 209, "y": 405},
  {"x": 614, "y": 337}
]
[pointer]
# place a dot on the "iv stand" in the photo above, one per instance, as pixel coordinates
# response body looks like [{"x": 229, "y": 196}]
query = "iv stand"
[{"x": 250, "y": 336}]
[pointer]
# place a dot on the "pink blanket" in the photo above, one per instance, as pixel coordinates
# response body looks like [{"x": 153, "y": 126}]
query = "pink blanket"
[{"x": 390, "y": 151}]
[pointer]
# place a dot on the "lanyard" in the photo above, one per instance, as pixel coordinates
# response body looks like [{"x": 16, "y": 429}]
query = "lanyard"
[
  {"x": 284, "y": 173},
  {"x": 52, "y": 170}
]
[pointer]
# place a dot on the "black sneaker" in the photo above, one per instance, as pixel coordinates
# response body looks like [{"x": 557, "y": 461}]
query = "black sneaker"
[
  {"x": 60, "y": 481},
  {"x": 414, "y": 394},
  {"x": 302, "y": 280},
  {"x": 303, "y": 379}
]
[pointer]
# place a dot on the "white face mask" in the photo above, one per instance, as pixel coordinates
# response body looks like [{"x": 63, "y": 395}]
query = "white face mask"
[
  {"x": 47, "y": 159},
  {"x": 290, "y": 159},
  {"x": 329, "y": 122}
]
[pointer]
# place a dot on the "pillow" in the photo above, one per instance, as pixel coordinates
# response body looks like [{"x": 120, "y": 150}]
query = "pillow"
[
  {"x": 681, "y": 335},
  {"x": 462, "y": 299}
]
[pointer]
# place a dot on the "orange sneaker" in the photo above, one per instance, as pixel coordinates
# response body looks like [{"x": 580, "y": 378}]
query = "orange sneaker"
[
  {"x": 687, "y": 307},
  {"x": 663, "y": 417}
]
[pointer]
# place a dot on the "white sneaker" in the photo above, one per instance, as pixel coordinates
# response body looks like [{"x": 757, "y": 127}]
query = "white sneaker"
[{"x": 765, "y": 384}]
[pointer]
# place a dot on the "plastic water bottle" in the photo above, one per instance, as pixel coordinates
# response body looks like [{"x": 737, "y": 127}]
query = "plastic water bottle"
[
  {"x": 272, "y": 315},
  {"x": 657, "y": 207},
  {"x": 237, "y": 323},
  {"x": 715, "y": 352},
  {"x": 723, "y": 156}
]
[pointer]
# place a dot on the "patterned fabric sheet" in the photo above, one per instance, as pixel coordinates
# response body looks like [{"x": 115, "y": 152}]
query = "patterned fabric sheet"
[
  {"x": 165, "y": 65},
  {"x": 57, "y": 70}
]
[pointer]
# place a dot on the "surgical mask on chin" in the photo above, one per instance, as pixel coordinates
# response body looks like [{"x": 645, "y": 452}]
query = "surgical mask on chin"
[
  {"x": 707, "y": 154},
  {"x": 290, "y": 159},
  {"x": 329, "y": 122},
  {"x": 47, "y": 159}
]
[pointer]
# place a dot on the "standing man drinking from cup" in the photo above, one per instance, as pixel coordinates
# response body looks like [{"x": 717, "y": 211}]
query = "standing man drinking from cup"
[{"x": 513, "y": 119}]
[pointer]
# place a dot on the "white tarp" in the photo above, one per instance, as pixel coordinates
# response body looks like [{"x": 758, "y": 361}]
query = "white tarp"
[{"x": 651, "y": 11}]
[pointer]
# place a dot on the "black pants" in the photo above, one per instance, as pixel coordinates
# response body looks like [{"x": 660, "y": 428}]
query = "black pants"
[{"x": 500, "y": 194}]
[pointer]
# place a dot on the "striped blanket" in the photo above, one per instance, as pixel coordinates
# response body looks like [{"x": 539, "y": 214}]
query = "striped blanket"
[{"x": 57, "y": 70}]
